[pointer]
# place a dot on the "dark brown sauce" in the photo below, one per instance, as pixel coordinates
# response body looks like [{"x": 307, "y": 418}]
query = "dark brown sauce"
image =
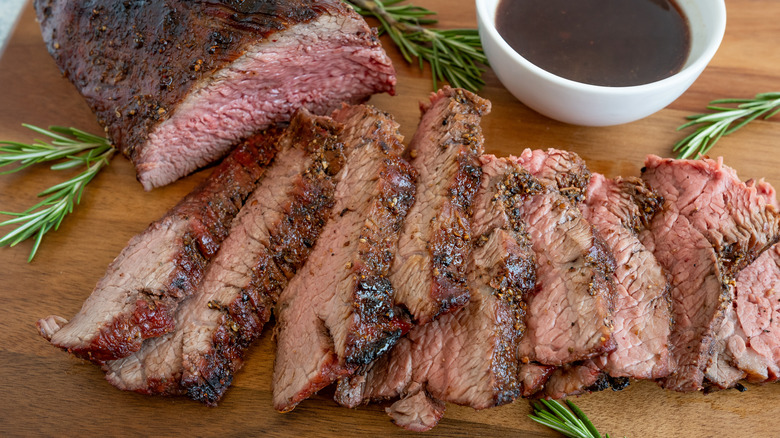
[{"x": 601, "y": 42}]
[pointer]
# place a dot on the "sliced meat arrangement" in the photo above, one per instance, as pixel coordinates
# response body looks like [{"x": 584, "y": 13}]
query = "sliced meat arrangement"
[
  {"x": 143, "y": 286},
  {"x": 459, "y": 278},
  {"x": 269, "y": 241},
  {"x": 748, "y": 341},
  {"x": 712, "y": 226},
  {"x": 469, "y": 356},
  {"x": 569, "y": 315},
  {"x": 429, "y": 271},
  {"x": 337, "y": 313},
  {"x": 620, "y": 210},
  {"x": 177, "y": 83}
]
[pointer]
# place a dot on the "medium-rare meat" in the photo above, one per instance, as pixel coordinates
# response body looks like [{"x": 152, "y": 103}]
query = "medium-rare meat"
[
  {"x": 620, "y": 210},
  {"x": 337, "y": 313},
  {"x": 569, "y": 314},
  {"x": 429, "y": 271},
  {"x": 269, "y": 241},
  {"x": 467, "y": 357},
  {"x": 748, "y": 341},
  {"x": 177, "y": 83},
  {"x": 711, "y": 227},
  {"x": 138, "y": 296}
]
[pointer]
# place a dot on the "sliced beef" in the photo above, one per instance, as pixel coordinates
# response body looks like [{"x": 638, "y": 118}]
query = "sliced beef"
[
  {"x": 572, "y": 379},
  {"x": 711, "y": 227},
  {"x": 747, "y": 343},
  {"x": 177, "y": 83},
  {"x": 569, "y": 315},
  {"x": 143, "y": 286},
  {"x": 429, "y": 271},
  {"x": 269, "y": 241},
  {"x": 418, "y": 412},
  {"x": 467, "y": 357},
  {"x": 338, "y": 314},
  {"x": 620, "y": 209},
  {"x": 533, "y": 377}
]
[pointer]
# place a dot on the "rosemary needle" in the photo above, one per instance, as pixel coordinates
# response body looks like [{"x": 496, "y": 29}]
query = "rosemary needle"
[
  {"x": 717, "y": 124},
  {"x": 455, "y": 55},
  {"x": 71, "y": 148},
  {"x": 573, "y": 424}
]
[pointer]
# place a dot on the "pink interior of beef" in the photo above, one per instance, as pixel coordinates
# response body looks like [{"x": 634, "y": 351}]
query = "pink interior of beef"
[{"x": 311, "y": 66}]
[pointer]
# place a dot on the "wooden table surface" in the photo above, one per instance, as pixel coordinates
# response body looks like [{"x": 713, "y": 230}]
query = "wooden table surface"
[{"x": 44, "y": 391}]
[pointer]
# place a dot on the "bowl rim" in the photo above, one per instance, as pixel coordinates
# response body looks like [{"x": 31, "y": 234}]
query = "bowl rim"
[{"x": 691, "y": 69}]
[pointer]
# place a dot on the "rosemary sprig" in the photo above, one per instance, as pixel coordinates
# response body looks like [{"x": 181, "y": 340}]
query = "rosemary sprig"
[
  {"x": 455, "y": 55},
  {"x": 717, "y": 124},
  {"x": 72, "y": 148},
  {"x": 573, "y": 424}
]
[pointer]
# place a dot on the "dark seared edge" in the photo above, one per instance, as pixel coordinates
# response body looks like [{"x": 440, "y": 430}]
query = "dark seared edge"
[
  {"x": 377, "y": 327},
  {"x": 423, "y": 369},
  {"x": 430, "y": 270},
  {"x": 319, "y": 339},
  {"x": 207, "y": 376},
  {"x": 192, "y": 232},
  {"x": 269, "y": 240}
]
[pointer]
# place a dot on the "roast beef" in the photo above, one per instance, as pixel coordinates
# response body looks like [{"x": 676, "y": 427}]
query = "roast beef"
[
  {"x": 143, "y": 286},
  {"x": 569, "y": 315},
  {"x": 747, "y": 344},
  {"x": 429, "y": 271},
  {"x": 269, "y": 241},
  {"x": 337, "y": 313},
  {"x": 533, "y": 377},
  {"x": 469, "y": 356},
  {"x": 711, "y": 227},
  {"x": 177, "y": 83},
  {"x": 620, "y": 210}
]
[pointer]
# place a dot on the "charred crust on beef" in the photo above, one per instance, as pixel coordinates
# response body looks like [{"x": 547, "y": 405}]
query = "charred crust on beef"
[
  {"x": 435, "y": 243},
  {"x": 168, "y": 260},
  {"x": 340, "y": 305},
  {"x": 269, "y": 240},
  {"x": 184, "y": 49},
  {"x": 421, "y": 369}
]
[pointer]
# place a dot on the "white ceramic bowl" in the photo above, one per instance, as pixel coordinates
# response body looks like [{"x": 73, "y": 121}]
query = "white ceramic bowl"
[{"x": 592, "y": 105}]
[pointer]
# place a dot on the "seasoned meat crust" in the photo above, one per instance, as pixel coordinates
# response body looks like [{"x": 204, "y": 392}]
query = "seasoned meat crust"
[
  {"x": 570, "y": 313},
  {"x": 337, "y": 314},
  {"x": 469, "y": 356},
  {"x": 269, "y": 241},
  {"x": 177, "y": 83},
  {"x": 430, "y": 267},
  {"x": 142, "y": 288}
]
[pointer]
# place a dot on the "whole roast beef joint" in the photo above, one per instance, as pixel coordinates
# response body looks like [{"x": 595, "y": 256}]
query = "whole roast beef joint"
[{"x": 176, "y": 84}]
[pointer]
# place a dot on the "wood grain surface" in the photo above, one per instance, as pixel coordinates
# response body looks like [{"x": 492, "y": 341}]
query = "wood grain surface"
[{"x": 44, "y": 391}]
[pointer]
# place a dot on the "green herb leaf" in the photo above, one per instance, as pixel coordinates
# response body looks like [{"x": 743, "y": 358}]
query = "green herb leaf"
[
  {"x": 70, "y": 148},
  {"x": 717, "y": 124},
  {"x": 573, "y": 424},
  {"x": 455, "y": 55}
]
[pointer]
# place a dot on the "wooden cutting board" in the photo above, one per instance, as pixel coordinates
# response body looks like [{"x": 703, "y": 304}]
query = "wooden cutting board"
[{"x": 44, "y": 391}]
